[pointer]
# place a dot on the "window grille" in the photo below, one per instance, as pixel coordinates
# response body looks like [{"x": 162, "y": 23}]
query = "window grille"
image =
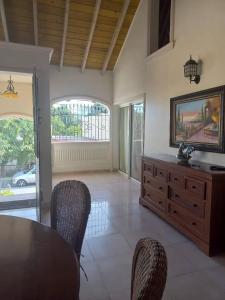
[{"x": 80, "y": 121}]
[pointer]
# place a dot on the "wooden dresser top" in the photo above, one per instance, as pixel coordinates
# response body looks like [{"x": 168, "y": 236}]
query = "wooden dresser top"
[{"x": 192, "y": 165}]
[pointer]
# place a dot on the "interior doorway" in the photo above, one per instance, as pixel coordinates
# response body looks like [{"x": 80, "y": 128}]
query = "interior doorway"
[
  {"x": 19, "y": 174},
  {"x": 131, "y": 139}
]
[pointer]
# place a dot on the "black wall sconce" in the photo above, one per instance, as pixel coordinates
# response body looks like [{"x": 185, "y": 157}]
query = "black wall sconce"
[{"x": 191, "y": 68}]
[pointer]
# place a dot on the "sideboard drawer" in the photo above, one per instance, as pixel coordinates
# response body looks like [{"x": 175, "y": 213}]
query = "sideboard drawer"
[
  {"x": 180, "y": 215},
  {"x": 155, "y": 184},
  {"x": 147, "y": 179},
  {"x": 194, "y": 206},
  {"x": 148, "y": 167},
  {"x": 177, "y": 179},
  {"x": 196, "y": 187},
  {"x": 161, "y": 173},
  {"x": 154, "y": 198}
]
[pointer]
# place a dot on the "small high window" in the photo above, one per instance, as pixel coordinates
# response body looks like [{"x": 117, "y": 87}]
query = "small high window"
[
  {"x": 164, "y": 22},
  {"x": 160, "y": 25},
  {"x": 79, "y": 120}
]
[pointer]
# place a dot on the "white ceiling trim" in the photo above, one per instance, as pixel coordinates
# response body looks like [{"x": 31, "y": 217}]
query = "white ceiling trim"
[
  {"x": 115, "y": 35},
  {"x": 4, "y": 23},
  {"x": 93, "y": 25},
  {"x": 66, "y": 18}
]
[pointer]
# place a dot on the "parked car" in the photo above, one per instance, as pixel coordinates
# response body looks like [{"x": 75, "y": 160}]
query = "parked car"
[{"x": 27, "y": 177}]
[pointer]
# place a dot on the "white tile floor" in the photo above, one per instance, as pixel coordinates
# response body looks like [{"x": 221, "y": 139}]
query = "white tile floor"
[{"x": 115, "y": 224}]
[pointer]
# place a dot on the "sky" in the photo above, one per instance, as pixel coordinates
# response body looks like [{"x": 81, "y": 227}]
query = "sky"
[{"x": 194, "y": 106}]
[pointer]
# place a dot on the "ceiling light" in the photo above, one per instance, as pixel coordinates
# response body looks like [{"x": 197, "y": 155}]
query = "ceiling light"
[{"x": 10, "y": 91}]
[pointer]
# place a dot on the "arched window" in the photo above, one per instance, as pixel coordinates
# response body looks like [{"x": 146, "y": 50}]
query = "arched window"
[{"x": 80, "y": 120}]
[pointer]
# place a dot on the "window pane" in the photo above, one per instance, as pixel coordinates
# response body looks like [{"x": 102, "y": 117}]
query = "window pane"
[
  {"x": 137, "y": 139},
  {"x": 124, "y": 139},
  {"x": 164, "y": 22},
  {"x": 78, "y": 120}
]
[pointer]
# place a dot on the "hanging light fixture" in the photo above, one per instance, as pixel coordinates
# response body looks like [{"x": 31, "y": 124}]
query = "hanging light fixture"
[{"x": 10, "y": 91}]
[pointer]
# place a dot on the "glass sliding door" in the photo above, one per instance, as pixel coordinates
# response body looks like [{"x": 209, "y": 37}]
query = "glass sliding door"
[
  {"x": 131, "y": 139},
  {"x": 124, "y": 142},
  {"x": 137, "y": 139}
]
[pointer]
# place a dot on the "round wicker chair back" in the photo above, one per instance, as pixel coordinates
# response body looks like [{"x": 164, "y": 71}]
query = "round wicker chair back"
[
  {"x": 149, "y": 270},
  {"x": 70, "y": 208}
]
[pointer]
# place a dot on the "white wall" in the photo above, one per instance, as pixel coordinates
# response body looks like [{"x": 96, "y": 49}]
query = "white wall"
[
  {"x": 199, "y": 30},
  {"x": 129, "y": 74},
  {"x": 72, "y": 82},
  {"x": 92, "y": 84},
  {"x": 21, "y": 58}
]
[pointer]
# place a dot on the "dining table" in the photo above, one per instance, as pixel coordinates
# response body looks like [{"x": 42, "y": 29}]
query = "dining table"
[{"x": 36, "y": 262}]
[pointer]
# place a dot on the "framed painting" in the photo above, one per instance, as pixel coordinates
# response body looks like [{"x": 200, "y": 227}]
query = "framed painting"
[{"x": 198, "y": 119}]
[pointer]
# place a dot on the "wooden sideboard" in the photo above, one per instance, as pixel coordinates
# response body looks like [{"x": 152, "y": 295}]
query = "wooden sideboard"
[{"x": 189, "y": 197}]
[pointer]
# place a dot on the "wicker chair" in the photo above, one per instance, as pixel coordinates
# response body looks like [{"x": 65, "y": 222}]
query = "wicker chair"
[
  {"x": 70, "y": 208},
  {"x": 149, "y": 270}
]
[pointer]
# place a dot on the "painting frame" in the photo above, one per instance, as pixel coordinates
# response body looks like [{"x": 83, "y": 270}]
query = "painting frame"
[{"x": 194, "y": 97}]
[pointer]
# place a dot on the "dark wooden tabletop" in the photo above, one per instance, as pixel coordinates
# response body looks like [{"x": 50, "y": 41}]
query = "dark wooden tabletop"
[{"x": 35, "y": 262}]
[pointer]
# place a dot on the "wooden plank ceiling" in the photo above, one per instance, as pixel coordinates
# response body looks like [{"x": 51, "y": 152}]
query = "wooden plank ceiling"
[{"x": 51, "y": 25}]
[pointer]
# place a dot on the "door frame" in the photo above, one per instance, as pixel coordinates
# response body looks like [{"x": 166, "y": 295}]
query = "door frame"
[
  {"x": 33, "y": 73},
  {"x": 129, "y": 104}
]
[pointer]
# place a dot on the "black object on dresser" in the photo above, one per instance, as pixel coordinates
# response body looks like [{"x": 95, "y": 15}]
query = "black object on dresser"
[{"x": 190, "y": 197}]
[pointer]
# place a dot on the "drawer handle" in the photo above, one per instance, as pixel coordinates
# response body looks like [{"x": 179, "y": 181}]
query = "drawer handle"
[
  {"x": 195, "y": 205},
  {"x": 194, "y": 187},
  {"x": 148, "y": 181},
  {"x": 174, "y": 211},
  {"x": 176, "y": 196},
  {"x": 175, "y": 179},
  {"x": 149, "y": 195},
  {"x": 160, "y": 188},
  {"x": 160, "y": 202},
  {"x": 193, "y": 223},
  {"x": 160, "y": 173}
]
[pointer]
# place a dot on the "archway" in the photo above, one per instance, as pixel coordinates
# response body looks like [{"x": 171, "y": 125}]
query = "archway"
[{"x": 81, "y": 138}]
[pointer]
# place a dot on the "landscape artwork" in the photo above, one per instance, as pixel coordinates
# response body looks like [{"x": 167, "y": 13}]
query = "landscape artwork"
[{"x": 198, "y": 120}]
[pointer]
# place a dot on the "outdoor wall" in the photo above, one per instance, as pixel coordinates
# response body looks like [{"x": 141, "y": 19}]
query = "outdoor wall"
[
  {"x": 81, "y": 156},
  {"x": 199, "y": 30},
  {"x": 24, "y": 58},
  {"x": 20, "y": 106}
]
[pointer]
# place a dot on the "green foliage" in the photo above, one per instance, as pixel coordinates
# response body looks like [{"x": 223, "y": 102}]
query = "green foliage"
[
  {"x": 97, "y": 109},
  {"x": 67, "y": 118},
  {"x": 64, "y": 122},
  {"x": 64, "y": 113},
  {"x": 16, "y": 141}
]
